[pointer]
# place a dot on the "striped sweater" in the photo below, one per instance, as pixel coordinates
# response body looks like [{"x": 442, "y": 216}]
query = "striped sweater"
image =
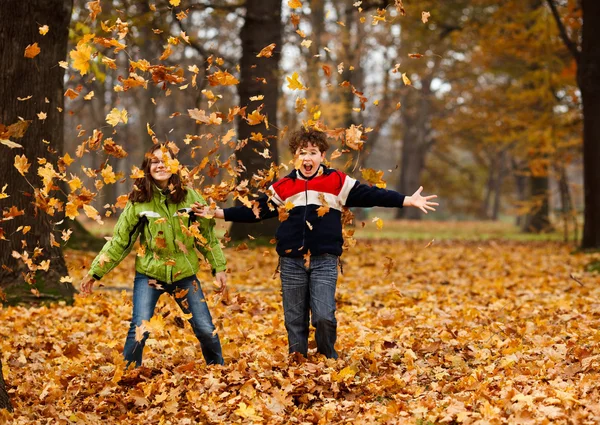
[{"x": 304, "y": 230}]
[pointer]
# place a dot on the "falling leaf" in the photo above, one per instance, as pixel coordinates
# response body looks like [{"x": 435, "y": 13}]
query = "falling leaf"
[
  {"x": 116, "y": 116},
  {"x": 425, "y": 16},
  {"x": 294, "y": 83},
  {"x": 32, "y": 50},
  {"x": 255, "y": 118},
  {"x": 415, "y": 55},
  {"x": 44, "y": 29},
  {"x": 42, "y": 116},
  {"x": 306, "y": 43},
  {"x": 222, "y": 78},
  {"x": 10, "y": 144},
  {"x": 94, "y": 8},
  {"x": 81, "y": 57},
  {"x": 21, "y": 164},
  {"x": 267, "y": 51},
  {"x": 174, "y": 2},
  {"x": 294, "y": 4},
  {"x": 405, "y": 79}
]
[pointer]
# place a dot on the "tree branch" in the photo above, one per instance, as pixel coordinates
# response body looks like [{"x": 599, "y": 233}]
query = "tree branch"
[{"x": 563, "y": 31}]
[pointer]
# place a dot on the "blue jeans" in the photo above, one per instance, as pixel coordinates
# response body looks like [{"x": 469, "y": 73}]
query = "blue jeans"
[
  {"x": 311, "y": 290},
  {"x": 145, "y": 298}
]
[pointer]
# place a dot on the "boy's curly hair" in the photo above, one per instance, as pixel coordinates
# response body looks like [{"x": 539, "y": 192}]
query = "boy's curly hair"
[{"x": 302, "y": 137}]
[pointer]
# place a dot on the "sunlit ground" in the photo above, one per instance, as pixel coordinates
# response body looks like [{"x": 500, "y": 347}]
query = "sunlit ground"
[{"x": 449, "y": 331}]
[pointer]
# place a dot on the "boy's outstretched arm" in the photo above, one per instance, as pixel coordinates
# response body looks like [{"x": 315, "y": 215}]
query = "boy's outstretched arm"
[
  {"x": 242, "y": 214},
  {"x": 362, "y": 195},
  {"x": 421, "y": 202}
]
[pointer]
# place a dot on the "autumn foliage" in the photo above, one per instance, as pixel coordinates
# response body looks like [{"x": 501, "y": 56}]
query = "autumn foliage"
[{"x": 450, "y": 332}]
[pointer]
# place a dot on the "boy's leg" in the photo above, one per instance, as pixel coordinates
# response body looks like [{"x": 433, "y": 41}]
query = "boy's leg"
[
  {"x": 323, "y": 280},
  {"x": 201, "y": 321},
  {"x": 294, "y": 287},
  {"x": 144, "y": 302}
]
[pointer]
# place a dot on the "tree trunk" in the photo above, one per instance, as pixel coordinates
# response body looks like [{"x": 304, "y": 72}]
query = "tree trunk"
[
  {"x": 537, "y": 220},
  {"x": 262, "y": 27},
  {"x": 4, "y": 399},
  {"x": 41, "y": 78},
  {"x": 588, "y": 73},
  {"x": 500, "y": 173}
]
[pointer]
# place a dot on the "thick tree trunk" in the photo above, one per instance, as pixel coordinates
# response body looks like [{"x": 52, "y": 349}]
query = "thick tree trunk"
[
  {"x": 42, "y": 79},
  {"x": 262, "y": 27},
  {"x": 588, "y": 73},
  {"x": 4, "y": 399}
]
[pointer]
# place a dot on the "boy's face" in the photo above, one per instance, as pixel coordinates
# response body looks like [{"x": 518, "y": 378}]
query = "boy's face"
[{"x": 310, "y": 158}]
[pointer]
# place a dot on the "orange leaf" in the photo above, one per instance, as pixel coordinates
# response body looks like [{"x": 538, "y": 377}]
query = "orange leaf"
[{"x": 32, "y": 50}]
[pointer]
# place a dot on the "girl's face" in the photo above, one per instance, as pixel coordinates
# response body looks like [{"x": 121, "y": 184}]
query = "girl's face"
[
  {"x": 158, "y": 170},
  {"x": 310, "y": 159}
]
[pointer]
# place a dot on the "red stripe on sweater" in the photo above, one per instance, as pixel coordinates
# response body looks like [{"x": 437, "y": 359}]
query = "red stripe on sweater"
[{"x": 330, "y": 183}]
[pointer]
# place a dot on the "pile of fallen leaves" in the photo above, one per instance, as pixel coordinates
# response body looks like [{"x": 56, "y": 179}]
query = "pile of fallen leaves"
[{"x": 450, "y": 332}]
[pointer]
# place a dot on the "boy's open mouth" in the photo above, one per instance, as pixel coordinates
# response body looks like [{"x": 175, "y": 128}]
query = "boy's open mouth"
[{"x": 308, "y": 167}]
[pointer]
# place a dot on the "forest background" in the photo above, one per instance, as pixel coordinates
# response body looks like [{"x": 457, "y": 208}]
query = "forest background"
[{"x": 492, "y": 106}]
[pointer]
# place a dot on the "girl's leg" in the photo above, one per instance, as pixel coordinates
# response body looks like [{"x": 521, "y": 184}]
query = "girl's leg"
[
  {"x": 323, "y": 280},
  {"x": 294, "y": 287},
  {"x": 201, "y": 321},
  {"x": 144, "y": 302}
]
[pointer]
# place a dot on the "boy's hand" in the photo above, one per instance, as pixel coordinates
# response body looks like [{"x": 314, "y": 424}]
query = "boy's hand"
[
  {"x": 86, "y": 285},
  {"x": 205, "y": 211},
  {"x": 421, "y": 202}
]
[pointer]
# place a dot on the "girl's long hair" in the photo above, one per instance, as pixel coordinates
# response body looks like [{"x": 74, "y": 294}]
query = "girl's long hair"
[{"x": 144, "y": 187}]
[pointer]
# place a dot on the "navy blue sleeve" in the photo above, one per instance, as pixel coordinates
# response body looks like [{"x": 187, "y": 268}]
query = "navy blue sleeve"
[
  {"x": 243, "y": 214},
  {"x": 362, "y": 195}
]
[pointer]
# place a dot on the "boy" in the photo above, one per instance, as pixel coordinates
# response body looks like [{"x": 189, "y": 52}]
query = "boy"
[{"x": 310, "y": 287}]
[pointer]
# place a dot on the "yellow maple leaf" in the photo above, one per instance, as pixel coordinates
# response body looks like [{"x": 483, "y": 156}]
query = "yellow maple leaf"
[
  {"x": 108, "y": 175},
  {"x": 75, "y": 183},
  {"x": 174, "y": 2},
  {"x": 294, "y": 4},
  {"x": 32, "y": 50},
  {"x": 222, "y": 78},
  {"x": 137, "y": 173},
  {"x": 255, "y": 118},
  {"x": 22, "y": 164},
  {"x": 81, "y": 57},
  {"x": 71, "y": 210},
  {"x": 44, "y": 29},
  {"x": 294, "y": 83},
  {"x": 115, "y": 117}
]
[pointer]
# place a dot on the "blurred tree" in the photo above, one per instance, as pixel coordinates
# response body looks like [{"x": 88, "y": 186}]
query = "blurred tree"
[
  {"x": 585, "y": 49},
  {"x": 32, "y": 96},
  {"x": 259, "y": 77}
]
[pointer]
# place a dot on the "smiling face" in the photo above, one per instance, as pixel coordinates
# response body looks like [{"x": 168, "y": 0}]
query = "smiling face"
[
  {"x": 310, "y": 158},
  {"x": 158, "y": 170}
]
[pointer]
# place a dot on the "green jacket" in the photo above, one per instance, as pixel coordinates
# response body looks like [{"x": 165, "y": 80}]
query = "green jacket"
[{"x": 168, "y": 235}]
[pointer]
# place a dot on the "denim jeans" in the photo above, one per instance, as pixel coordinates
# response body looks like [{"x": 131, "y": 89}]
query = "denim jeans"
[
  {"x": 145, "y": 298},
  {"x": 311, "y": 290}
]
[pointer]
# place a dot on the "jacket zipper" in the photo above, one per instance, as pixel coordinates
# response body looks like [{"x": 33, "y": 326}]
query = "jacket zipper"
[{"x": 305, "y": 208}]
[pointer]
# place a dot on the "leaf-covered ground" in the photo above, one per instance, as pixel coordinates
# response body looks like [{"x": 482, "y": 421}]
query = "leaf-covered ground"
[{"x": 455, "y": 332}]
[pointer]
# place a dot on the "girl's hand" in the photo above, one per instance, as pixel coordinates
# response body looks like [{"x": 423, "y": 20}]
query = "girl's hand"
[
  {"x": 221, "y": 279},
  {"x": 421, "y": 202},
  {"x": 86, "y": 285}
]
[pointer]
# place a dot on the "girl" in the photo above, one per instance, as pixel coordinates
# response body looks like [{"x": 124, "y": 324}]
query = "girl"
[{"x": 158, "y": 210}]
